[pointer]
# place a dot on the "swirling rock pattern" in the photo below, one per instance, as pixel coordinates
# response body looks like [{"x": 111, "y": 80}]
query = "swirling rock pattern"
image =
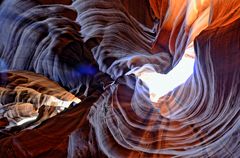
[
  {"x": 45, "y": 39},
  {"x": 116, "y": 52},
  {"x": 97, "y": 45},
  {"x": 26, "y": 94},
  {"x": 202, "y": 123}
]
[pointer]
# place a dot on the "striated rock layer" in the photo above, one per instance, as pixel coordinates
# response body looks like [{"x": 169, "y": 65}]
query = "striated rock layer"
[
  {"x": 93, "y": 48},
  {"x": 45, "y": 39},
  {"x": 26, "y": 94}
]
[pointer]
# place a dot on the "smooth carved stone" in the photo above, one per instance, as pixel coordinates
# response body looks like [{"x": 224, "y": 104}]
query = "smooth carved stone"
[
  {"x": 45, "y": 39},
  {"x": 80, "y": 45},
  {"x": 27, "y": 94}
]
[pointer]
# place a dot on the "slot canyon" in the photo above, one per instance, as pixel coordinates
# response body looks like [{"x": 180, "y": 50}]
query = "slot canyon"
[{"x": 120, "y": 78}]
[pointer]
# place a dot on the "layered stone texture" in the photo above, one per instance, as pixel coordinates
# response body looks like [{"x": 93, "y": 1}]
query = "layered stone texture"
[{"x": 90, "y": 49}]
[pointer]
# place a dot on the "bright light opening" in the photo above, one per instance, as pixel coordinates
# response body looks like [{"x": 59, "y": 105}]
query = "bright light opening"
[{"x": 160, "y": 84}]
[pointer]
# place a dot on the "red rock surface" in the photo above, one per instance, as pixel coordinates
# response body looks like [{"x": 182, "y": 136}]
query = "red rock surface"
[{"x": 90, "y": 49}]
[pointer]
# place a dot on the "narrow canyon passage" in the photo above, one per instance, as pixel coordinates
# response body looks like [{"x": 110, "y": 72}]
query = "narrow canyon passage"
[{"x": 120, "y": 78}]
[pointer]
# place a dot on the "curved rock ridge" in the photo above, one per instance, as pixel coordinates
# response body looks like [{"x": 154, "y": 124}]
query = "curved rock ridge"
[
  {"x": 27, "y": 95},
  {"x": 121, "y": 42},
  {"x": 81, "y": 44},
  {"x": 45, "y": 39},
  {"x": 198, "y": 119},
  {"x": 181, "y": 22}
]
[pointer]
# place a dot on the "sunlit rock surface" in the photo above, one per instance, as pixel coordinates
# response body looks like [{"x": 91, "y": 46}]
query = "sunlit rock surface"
[
  {"x": 26, "y": 95},
  {"x": 95, "y": 50}
]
